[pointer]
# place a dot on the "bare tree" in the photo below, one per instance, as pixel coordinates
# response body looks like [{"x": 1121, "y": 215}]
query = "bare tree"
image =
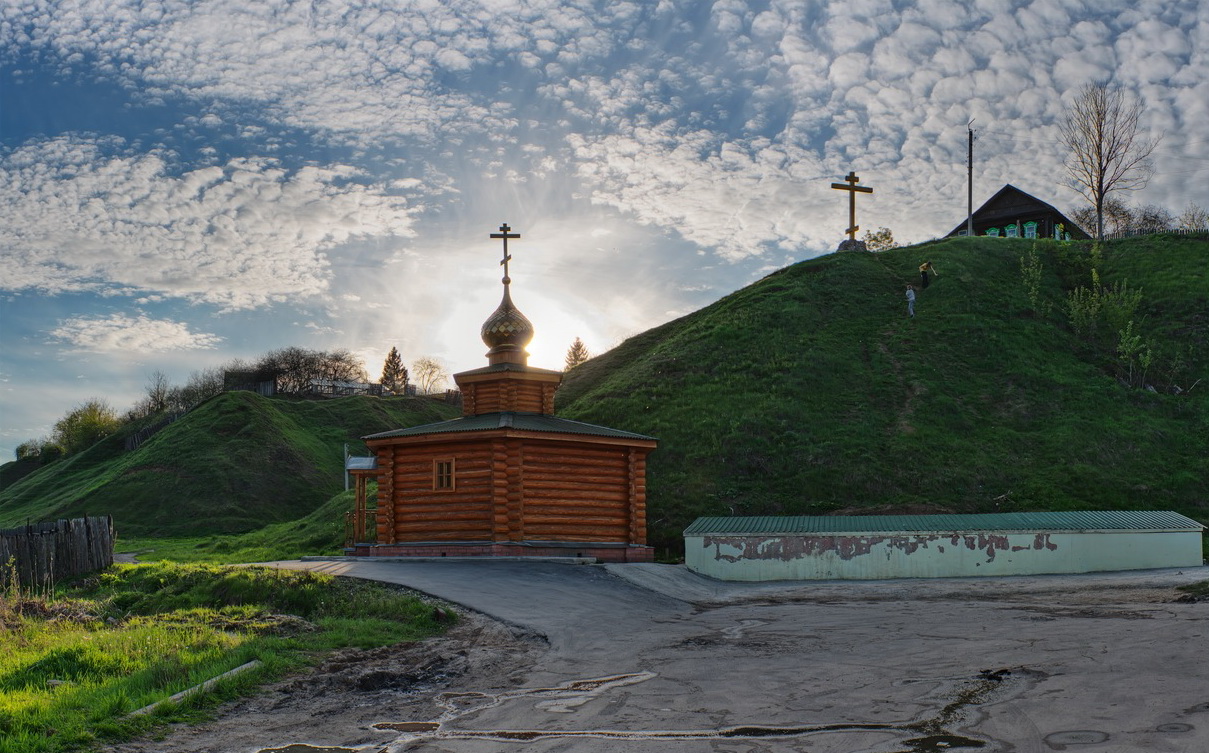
[
  {"x": 429, "y": 375},
  {"x": 1152, "y": 218},
  {"x": 1107, "y": 152},
  {"x": 1194, "y": 217},
  {"x": 1118, "y": 217},
  {"x": 201, "y": 385},
  {"x": 294, "y": 368},
  {"x": 158, "y": 391}
]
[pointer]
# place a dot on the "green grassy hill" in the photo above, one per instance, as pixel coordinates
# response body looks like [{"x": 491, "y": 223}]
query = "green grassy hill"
[
  {"x": 812, "y": 392},
  {"x": 807, "y": 392},
  {"x": 236, "y": 463}
]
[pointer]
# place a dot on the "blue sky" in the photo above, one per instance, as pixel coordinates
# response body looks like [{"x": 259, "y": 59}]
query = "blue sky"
[{"x": 182, "y": 183}]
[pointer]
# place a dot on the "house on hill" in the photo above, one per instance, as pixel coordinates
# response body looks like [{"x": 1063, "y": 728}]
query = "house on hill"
[
  {"x": 508, "y": 478},
  {"x": 1012, "y": 213}
]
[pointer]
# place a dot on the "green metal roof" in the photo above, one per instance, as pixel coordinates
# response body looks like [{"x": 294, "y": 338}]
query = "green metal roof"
[
  {"x": 1138, "y": 520},
  {"x": 507, "y": 366},
  {"x": 516, "y": 420}
]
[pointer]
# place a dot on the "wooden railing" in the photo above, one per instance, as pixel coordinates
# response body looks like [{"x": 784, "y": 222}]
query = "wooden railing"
[{"x": 360, "y": 527}]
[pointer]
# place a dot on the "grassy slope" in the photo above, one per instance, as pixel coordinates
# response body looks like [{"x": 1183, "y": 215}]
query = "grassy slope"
[
  {"x": 236, "y": 463},
  {"x": 319, "y": 532},
  {"x": 811, "y": 391}
]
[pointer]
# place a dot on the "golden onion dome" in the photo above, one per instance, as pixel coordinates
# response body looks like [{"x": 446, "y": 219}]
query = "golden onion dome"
[{"x": 507, "y": 329}]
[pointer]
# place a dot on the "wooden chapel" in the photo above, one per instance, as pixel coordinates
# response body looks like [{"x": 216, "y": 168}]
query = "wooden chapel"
[{"x": 509, "y": 478}]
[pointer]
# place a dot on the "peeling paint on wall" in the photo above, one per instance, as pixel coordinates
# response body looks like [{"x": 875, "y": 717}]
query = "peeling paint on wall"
[
  {"x": 788, "y": 548},
  {"x": 941, "y": 554}
]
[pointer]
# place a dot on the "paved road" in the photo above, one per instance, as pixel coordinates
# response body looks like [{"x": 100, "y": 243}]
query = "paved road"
[{"x": 662, "y": 660}]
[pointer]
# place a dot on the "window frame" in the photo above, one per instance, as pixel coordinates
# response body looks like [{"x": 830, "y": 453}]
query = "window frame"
[{"x": 444, "y": 474}]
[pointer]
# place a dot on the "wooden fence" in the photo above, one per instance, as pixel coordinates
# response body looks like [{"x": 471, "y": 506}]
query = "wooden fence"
[
  {"x": 135, "y": 440},
  {"x": 41, "y": 554}
]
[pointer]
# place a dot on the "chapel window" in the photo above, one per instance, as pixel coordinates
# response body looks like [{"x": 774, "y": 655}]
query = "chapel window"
[{"x": 442, "y": 475}]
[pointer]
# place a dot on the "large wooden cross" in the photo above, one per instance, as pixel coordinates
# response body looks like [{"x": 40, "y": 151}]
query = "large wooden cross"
[
  {"x": 851, "y": 187},
  {"x": 505, "y": 235}
]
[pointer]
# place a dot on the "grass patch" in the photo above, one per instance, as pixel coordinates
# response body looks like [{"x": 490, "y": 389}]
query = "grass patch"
[
  {"x": 1195, "y": 592},
  {"x": 320, "y": 532},
  {"x": 74, "y": 665},
  {"x": 810, "y": 391}
]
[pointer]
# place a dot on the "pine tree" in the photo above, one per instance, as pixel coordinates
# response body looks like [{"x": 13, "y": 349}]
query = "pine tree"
[
  {"x": 576, "y": 354},
  {"x": 394, "y": 373}
]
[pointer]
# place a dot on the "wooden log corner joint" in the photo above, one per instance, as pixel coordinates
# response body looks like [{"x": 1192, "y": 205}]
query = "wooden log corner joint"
[{"x": 514, "y": 480}]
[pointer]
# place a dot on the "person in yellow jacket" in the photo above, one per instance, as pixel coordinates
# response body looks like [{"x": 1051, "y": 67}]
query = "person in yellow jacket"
[{"x": 924, "y": 270}]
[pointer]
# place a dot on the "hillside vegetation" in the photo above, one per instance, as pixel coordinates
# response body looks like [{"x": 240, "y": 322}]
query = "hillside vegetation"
[
  {"x": 811, "y": 391},
  {"x": 807, "y": 392},
  {"x": 236, "y": 463}
]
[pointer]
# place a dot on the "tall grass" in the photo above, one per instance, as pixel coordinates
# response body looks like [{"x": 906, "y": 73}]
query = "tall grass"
[{"x": 73, "y": 666}]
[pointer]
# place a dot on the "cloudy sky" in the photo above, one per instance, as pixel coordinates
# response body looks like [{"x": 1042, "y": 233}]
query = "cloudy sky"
[{"x": 182, "y": 183}]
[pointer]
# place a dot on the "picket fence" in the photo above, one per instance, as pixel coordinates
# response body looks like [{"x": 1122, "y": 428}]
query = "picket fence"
[{"x": 42, "y": 554}]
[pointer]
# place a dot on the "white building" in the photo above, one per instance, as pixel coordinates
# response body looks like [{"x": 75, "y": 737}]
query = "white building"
[{"x": 875, "y": 547}]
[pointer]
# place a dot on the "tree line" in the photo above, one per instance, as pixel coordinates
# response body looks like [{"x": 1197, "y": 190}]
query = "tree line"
[
  {"x": 1119, "y": 218},
  {"x": 292, "y": 370}
]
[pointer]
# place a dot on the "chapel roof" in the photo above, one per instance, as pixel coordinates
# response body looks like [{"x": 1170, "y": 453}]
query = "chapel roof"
[
  {"x": 1102, "y": 520},
  {"x": 508, "y": 366},
  {"x": 513, "y": 420}
]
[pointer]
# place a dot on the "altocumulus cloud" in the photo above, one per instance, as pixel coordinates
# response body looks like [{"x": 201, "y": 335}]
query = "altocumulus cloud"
[
  {"x": 80, "y": 217},
  {"x": 126, "y": 334},
  {"x": 722, "y": 122}
]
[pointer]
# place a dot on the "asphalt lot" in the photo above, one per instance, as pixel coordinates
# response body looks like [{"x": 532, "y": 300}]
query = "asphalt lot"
[{"x": 655, "y": 658}]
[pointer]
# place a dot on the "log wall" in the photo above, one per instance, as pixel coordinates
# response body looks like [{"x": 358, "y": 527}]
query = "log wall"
[
  {"x": 576, "y": 493},
  {"x": 513, "y": 489},
  {"x": 421, "y": 513},
  {"x": 507, "y": 395}
]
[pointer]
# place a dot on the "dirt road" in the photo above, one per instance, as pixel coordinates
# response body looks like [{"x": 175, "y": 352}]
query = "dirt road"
[{"x": 555, "y": 657}]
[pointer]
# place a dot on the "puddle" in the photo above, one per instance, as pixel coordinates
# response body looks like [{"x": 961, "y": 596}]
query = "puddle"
[
  {"x": 1174, "y": 727},
  {"x": 735, "y": 632},
  {"x": 936, "y": 743},
  {"x": 1059, "y": 740},
  {"x": 930, "y": 735},
  {"x": 299, "y": 748},
  {"x": 408, "y": 726}
]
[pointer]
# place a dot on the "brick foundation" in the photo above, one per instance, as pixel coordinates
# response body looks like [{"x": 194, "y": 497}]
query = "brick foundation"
[{"x": 603, "y": 552}]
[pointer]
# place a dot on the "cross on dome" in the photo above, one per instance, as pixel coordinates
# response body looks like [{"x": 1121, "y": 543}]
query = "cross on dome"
[
  {"x": 505, "y": 235},
  {"x": 507, "y": 331}
]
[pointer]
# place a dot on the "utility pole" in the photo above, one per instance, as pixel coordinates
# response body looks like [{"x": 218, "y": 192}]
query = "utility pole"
[{"x": 970, "y": 182}]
